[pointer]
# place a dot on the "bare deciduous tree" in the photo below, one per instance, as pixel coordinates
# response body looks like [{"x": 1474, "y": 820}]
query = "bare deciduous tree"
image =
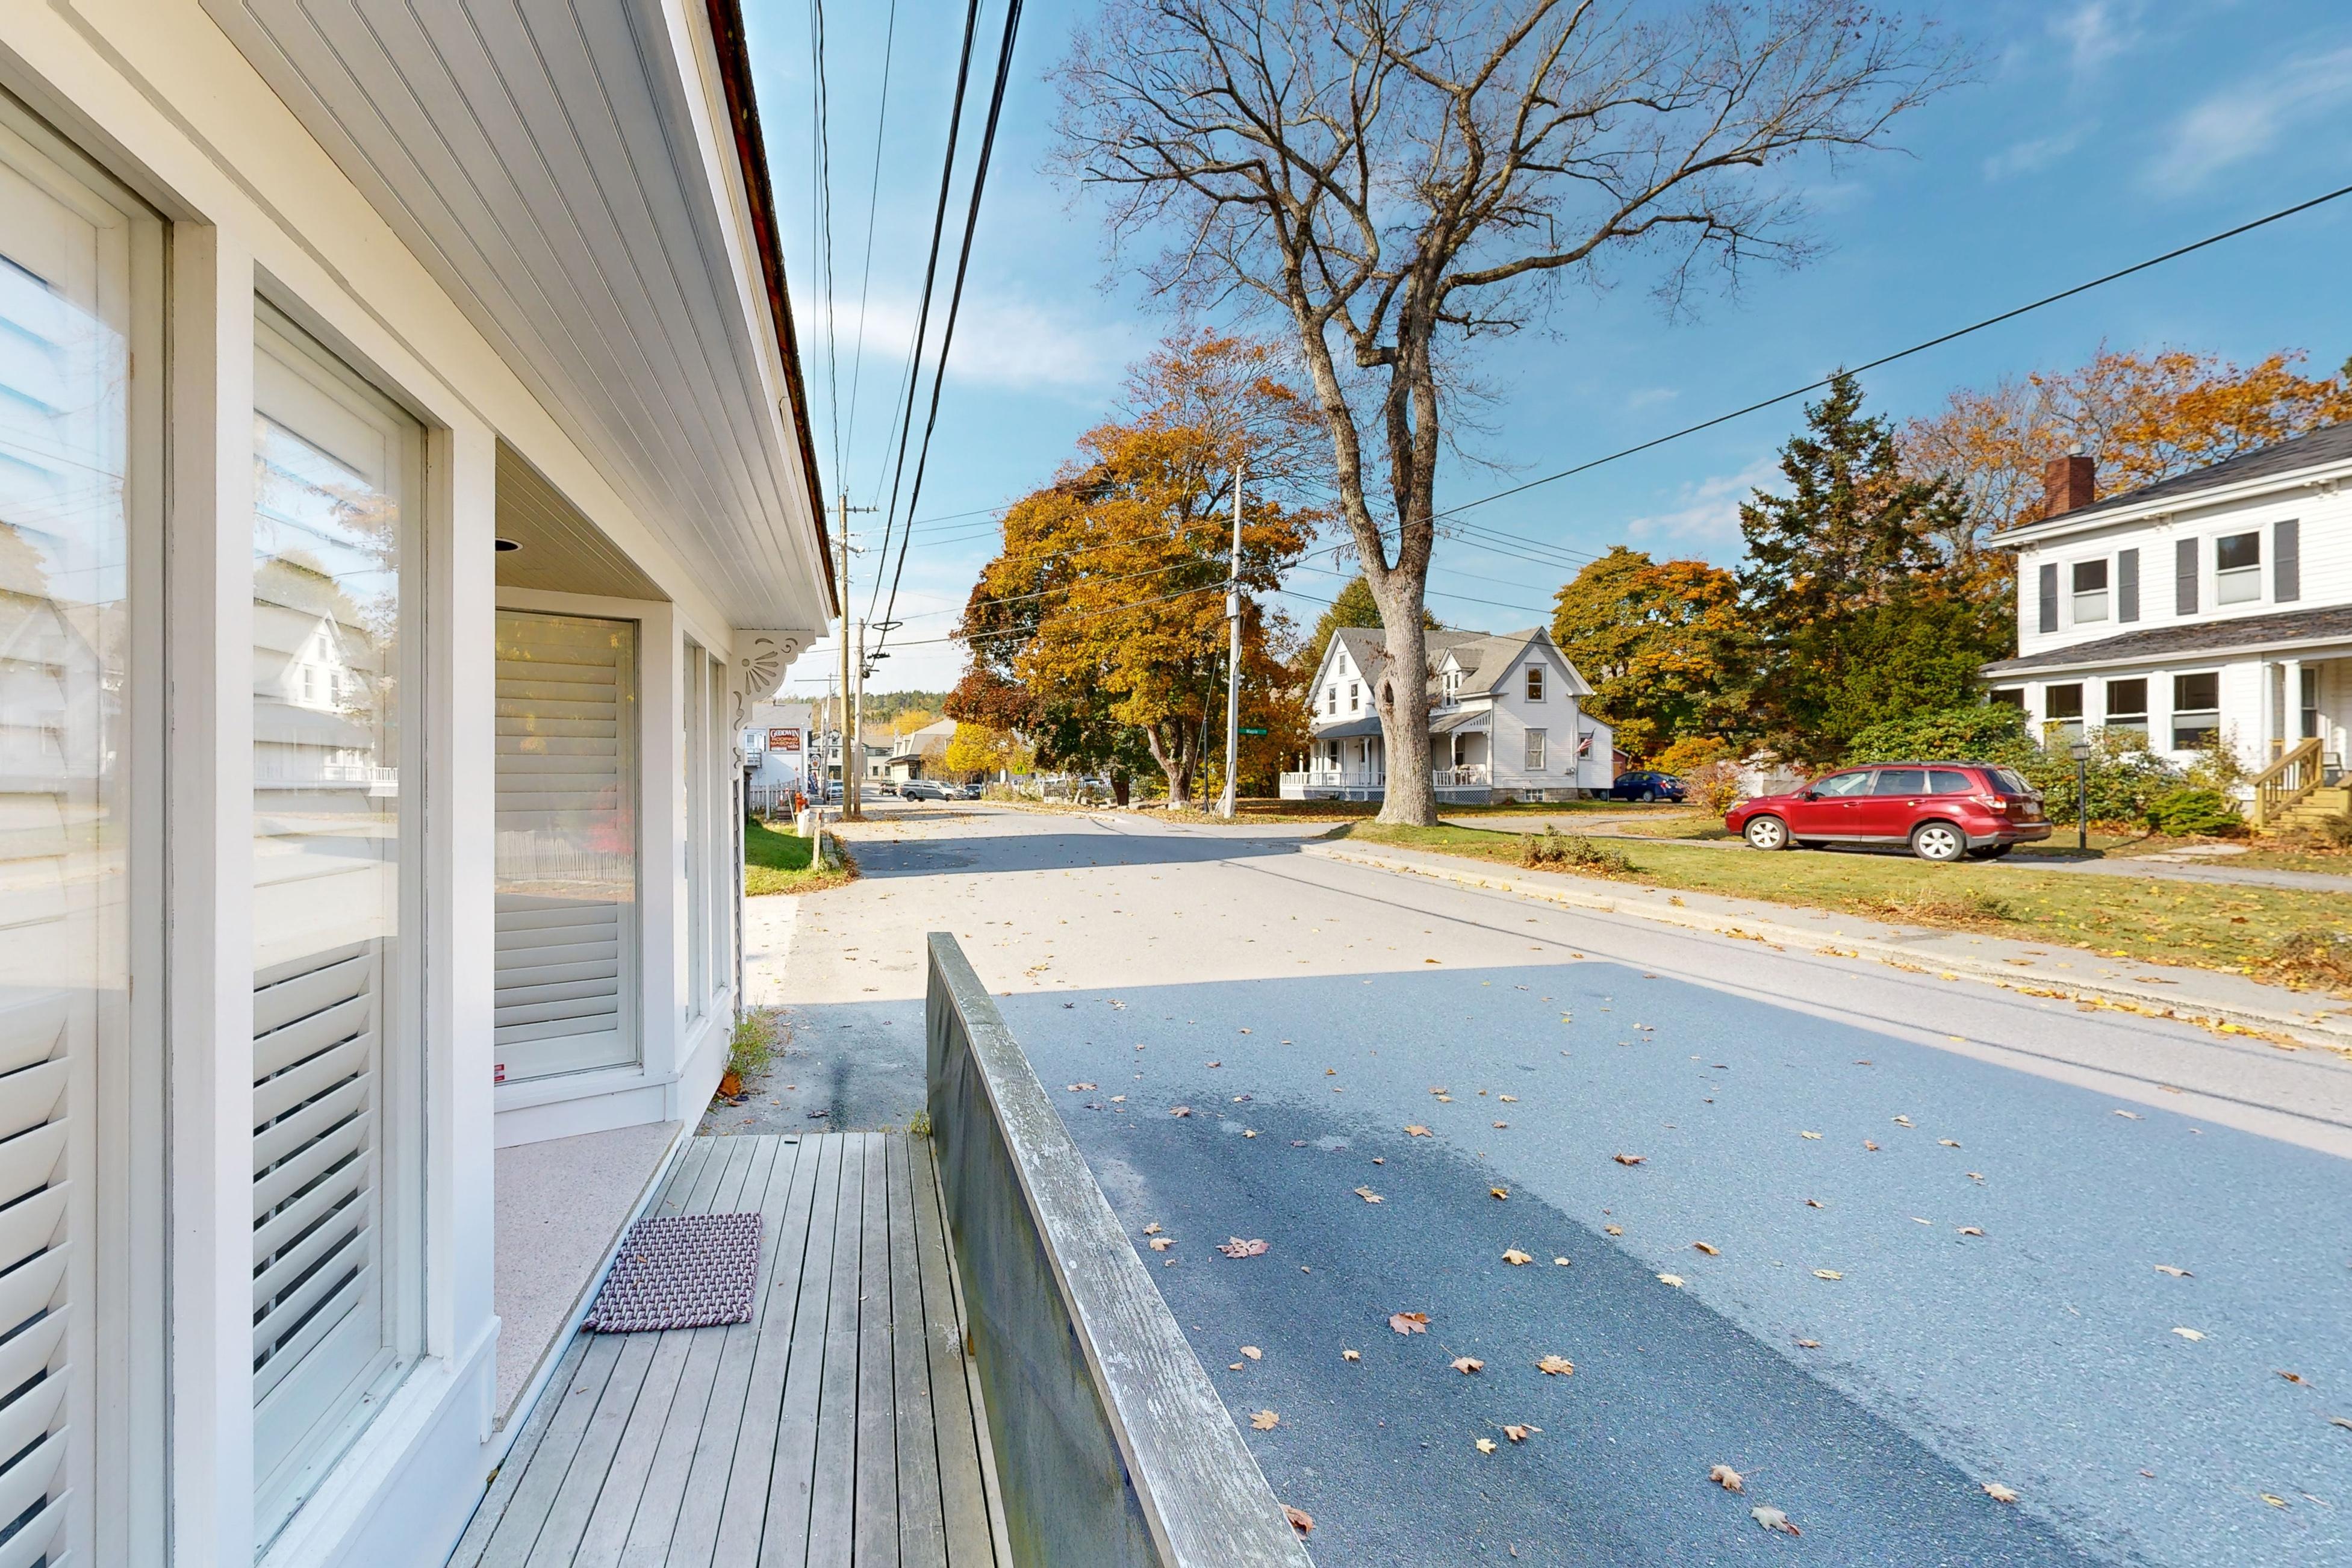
[{"x": 1400, "y": 176}]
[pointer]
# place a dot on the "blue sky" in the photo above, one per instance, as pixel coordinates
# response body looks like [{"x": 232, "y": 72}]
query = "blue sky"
[{"x": 2097, "y": 132}]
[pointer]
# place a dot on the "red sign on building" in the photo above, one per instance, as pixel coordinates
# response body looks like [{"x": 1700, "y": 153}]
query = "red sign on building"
[{"x": 783, "y": 740}]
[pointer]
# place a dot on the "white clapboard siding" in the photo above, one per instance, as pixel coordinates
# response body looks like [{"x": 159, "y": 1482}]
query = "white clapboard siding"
[{"x": 566, "y": 905}]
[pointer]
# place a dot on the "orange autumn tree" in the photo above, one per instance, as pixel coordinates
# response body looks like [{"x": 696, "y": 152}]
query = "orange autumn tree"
[
  {"x": 2140, "y": 418},
  {"x": 1110, "y": 582}
]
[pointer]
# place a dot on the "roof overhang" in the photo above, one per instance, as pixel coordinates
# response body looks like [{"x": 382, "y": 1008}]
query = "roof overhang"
[
  {"x": 585, "y": 180},
  {"x": 2122, "y": 510}
]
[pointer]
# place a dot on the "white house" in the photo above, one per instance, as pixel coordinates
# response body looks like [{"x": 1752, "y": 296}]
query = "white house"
[
  {"x": 2215, "y": 605},
  {"x": 1506, "y": 721},
  {"x": 405, "y": 488},
  {"x": 779, "y": 753}
]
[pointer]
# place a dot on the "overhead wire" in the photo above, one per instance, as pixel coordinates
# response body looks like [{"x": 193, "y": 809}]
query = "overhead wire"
[
  {"x": 866, "y": 266},
  {"x": 821, "y": 155}
]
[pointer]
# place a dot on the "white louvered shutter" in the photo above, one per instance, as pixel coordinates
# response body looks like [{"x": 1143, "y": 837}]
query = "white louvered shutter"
[{"x": 567, "y": 835}]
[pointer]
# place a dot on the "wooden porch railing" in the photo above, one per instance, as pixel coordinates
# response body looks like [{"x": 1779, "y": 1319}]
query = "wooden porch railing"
[{"x": 2286, "y": 781}]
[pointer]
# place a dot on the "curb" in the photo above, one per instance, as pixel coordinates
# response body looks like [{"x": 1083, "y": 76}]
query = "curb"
[{"x": 2281, "y": 1028}]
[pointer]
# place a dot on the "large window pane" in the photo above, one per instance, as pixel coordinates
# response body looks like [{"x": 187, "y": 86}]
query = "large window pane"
[
  {"x": 567, "y": 820},
  {"x": 335, "y": 821},
  {"x": 69, "y": 258}
]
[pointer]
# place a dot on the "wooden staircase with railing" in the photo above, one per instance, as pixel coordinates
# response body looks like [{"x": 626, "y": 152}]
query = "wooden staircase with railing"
[{"x": 2294, "y": 790}]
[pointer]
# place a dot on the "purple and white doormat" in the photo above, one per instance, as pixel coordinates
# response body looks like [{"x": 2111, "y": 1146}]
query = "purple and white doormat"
[{"x": 680, "y": 1271}]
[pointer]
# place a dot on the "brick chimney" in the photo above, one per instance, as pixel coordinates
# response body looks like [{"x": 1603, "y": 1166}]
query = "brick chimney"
[{"x": 2067, "y": 483}]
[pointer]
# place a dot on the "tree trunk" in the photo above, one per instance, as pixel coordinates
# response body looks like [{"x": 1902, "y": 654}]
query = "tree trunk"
[{"x": 1402, "y": 700}]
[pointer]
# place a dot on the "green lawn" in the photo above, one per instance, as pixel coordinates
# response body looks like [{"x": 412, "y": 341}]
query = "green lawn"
[
  {"x": 776, "y": 861},
  {"x": 2247, "y": 929}
]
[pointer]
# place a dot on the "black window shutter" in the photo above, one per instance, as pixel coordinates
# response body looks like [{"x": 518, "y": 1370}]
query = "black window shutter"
[
  {"x": 2184, "y": 578},
  {"x": 2286, "y": 560},
  {"x": 2128, "y": 585},
  {"x": 2049, "y": 597}
]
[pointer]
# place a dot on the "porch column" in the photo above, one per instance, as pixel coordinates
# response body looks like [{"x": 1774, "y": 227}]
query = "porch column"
[{"x": 2291, "y": 700}]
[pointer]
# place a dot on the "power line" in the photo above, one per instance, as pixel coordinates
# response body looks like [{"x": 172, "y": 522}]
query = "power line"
[
  {"x": 955, "y": 300},
  {"x": 873, "y": 207},
  {"x": 930, "y": 275},
  {"x": 1937, "y": 342},
  {"x": 821, "y": 151}
]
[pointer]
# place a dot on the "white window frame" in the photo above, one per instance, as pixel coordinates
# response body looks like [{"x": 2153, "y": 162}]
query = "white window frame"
[
  {"x": 1537, "y": 746},
  {"x": 2238, "y": 584},
  {"x": 2092, "y": 605},
  {"x": 1535, "y": 683}
]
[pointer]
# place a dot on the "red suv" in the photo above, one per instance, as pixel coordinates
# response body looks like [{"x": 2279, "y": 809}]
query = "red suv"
[{"x": 1942, "y": 810}]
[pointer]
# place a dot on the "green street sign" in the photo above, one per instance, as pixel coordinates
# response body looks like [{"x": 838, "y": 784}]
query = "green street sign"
[{"x": 1247, "y": 731}]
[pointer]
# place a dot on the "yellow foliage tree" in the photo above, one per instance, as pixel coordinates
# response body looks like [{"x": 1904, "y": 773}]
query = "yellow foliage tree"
[{"x": 977, "y": 749}]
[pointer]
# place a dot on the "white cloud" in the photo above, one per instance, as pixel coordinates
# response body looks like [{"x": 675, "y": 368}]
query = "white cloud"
[
  {"x": 2250, "y": 116},
  {"x": 1648, "y": 396},
  {"x": 2096, "y": 32},
  {"x": 1002, "y": 340},
  {"x": 2035, "y": 154},
  {"x": 1705, "y": 512}
]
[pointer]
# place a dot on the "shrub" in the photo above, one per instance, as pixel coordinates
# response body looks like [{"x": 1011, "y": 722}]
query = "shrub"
[
  {"x": 1552, "y": 848},
  {"x": 1689, "y": 754},
  {"x": 1983, "y": 732},
  {"x": 1714, "y": 785},
  {"x": 2189, "y": 811}
]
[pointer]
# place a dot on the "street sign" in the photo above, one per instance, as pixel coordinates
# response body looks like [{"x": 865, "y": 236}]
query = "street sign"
[{"x": 1247, "y": 731}]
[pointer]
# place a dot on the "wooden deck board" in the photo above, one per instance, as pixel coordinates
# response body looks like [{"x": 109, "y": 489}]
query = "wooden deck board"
[{"x": 834, "y": 1427}]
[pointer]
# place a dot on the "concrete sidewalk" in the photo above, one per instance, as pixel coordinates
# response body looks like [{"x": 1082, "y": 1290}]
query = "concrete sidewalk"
[{"x": 2233, "y": 1003}]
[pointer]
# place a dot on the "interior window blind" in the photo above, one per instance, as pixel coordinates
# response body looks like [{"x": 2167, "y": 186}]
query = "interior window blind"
[{"x": 567, "y": 845}]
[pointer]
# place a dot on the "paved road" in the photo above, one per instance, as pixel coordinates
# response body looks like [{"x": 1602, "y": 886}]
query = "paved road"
[{"x": 1318, "y": 1006}]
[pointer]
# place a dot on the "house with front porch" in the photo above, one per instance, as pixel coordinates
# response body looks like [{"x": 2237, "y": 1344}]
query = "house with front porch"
[
  {"x": 1506, "y": 721},
  {"x": 2214, "y": 607}
]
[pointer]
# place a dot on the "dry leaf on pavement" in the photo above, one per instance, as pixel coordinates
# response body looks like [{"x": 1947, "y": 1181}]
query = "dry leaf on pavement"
[
  {"x": 1265, "y": 1421},
  {"x": 1998, "y": 1493},
  {"x": 1947, "y": 1143},
  {"x": 1416, "y": 1130},
  {"x": 1970, "y": 1230},
  {"x": 1486, "y": 1444},
  {"x": 1727, "y": 1477},
  {"x": 1815, "y": 1204},
  {"x": 1500, "y": 1191},
  {"x": 1905, "y": 1122},
  {"x": 2176, "y": 1273},
  {"x": 1180, "y": 1110},
  {"x": 1300, "y": 1520},
  {"x": 1707, "y": 1247},
  {"x": 1502, "y": 1124},
  {"x": 1814, "y": 1136},
  {"x": 1614, "y": 1229},
  {"x": 1352, "y": 1355},
  {"x": 1369, "y": 1196},
  {"x": 1163, "y": 1243},
  {"x": 1827, "y": 1274},
  {"x": 1235, "y": 1247},
  {"x": 2188, "y": 1333},
  {"x": 1409, "y": 1323},
  {"x": 1518, "y": 1432},
  {"x": 1508, "y": 1099},
  {"x": 1076, "y": 1087},
  {"x": 1555, "y": 1366},
  {"x": 1466, "y": 1364},
  {"x": 2274, "y": 1501},
  {"x": 1773, "y": 1518},
  {"x": 2129, "y": 1115},
  {"x": 1630, "y": 1159},
  {"x": 1513, "y": 1256},
  {"x": 1869, "y": 1145},
  {"x": 1253, "y": 1353},
  {"x": 1674, "y": 1279},
  {"x": 2292, "y": 1377},
  {"x": 1152, "y": 1229},
  {"x": 1809, "y": 1344}
]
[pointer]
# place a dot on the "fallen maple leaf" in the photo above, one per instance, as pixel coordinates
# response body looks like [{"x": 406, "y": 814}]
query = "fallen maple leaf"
[
  {"x": 1180, "y": 1110},
  {"x": 1707, "y": 1247},
  {"x": 1773, "y": 1518},
  {"x": 1163, "y": 1243},
  {"x": 1235, "y": 1247},
  {"x": 1485, "y": 1445},
  {"x": 1500, "y": 1191},
  {"x": 1076, "y": 1087},
  {"x": 1502, "y": 1124},
  {"x": 1614, "y": 1229},
  {"x": 1674, "y": 1279},
  {"x": 1555, "y": 1366},
  {"x": 1814, "y": 1136},
  {"x": 1265, "y": 1421},
  {"x": 1409, "y": 1323},
  {"x": 1827, "y": 1274},
  {"x": 1727, "y": 1477},
  {"x": 1509, "y": 1099},
  {"x": 1971, "y": 1230},
  {"x": 2176, "y": 1273},
  {"x": 1352, "y": 1355},
  {"x": 1869, "y": 1145},
  {"x": 2188, "y": 1333},
  {"x": 1513, "y": 1256},
  {"x": 1904, "y": 1122},
  {"x": 1630, "y": 1159},
  {"x": 1518, "y": 1433},
  {"x": 1253, "y": 1353},
  {"x": 1416, "y": 1130},
  {"x": 1466, "y": 1364},
  {"x": 1300, "y": 1520},
  {"x": 1809, "y": 1344},
  {"x": 1998, "y": 1493},
  {"x": 1815, "y": 1204},
  {"x": 1948, "y": 1142},
  {"x": 1369, "y": 1196},
  {"x": 1559, "y": 1263},
  {"x": 1152, "y": 1229}
]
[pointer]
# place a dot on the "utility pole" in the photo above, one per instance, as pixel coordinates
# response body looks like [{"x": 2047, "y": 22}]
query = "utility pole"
[
  {"x": 850, "y": 745},
  {"x": 1234, "y": 653}
]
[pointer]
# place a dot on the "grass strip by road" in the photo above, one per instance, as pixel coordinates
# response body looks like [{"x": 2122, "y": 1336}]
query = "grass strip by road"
[
  {"x": 2288, "y": 935},
  {"x": 775, "y": 861}
]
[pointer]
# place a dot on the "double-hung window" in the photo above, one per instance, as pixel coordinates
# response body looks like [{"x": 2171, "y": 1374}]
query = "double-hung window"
[
  {"x": 2196, "y": 710},
  {"x": 2061, "y": 711},
  {"x": 2089, "y": 591},
  {"x": 1536, "y": 751},
  {"x": 2127, "y": 705},
  {"x": 1355, "y": 697},
  {"x": 1535, "y": 683},
  {"x": 2238, "y": 568}
]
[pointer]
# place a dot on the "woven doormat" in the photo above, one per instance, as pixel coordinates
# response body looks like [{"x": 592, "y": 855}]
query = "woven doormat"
[{"x": 680, "y": 1271}]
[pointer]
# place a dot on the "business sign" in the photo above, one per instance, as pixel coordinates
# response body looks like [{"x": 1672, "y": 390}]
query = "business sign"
[{"x": 783, "y": 740}]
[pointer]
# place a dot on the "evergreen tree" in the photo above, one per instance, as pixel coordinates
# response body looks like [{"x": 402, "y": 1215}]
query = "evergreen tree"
[{"x": 1860, "y": 612}]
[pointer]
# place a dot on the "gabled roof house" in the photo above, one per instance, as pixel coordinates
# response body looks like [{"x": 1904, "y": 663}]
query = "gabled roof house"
[{"x": 1506, "y": 721}]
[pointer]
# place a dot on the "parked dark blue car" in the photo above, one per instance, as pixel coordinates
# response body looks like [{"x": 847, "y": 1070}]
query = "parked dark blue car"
[{"x": 1644, "y": 785}]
